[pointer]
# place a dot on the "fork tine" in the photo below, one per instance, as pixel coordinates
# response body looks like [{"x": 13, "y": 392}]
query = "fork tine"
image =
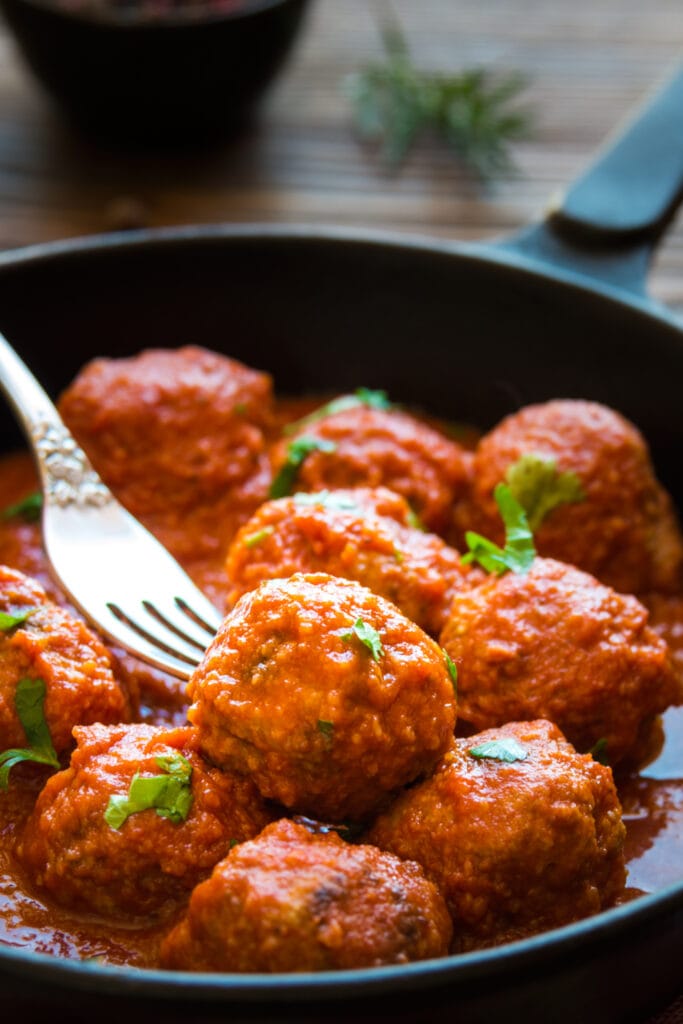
[
  {"x": 163, "y": 643},
  {"x": 125, "y": 631},
  {"x": 174, "y": 619}
]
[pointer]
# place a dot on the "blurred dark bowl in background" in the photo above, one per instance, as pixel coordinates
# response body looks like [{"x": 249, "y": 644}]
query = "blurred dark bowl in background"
[{"x": 183, "y": 77}]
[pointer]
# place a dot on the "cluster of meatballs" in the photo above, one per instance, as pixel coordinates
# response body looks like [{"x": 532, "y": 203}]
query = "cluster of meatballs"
[{"x": 392, "y": 753}]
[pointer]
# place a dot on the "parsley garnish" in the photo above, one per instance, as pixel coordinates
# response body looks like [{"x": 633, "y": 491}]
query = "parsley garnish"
[
  {"x": 327, "y": 499},
  {"x": 170, "y": 795},
  {"x": 9, "y": 621},
  {"x": 297, "y": 452},
  {"x": 505, "y": 749},
  {"x": 536, "y": 484},
  {"x": 599, "y": 752},
  {"x": 29, "y": 701},
  {"x": 255, "y": 538},
  {"x": 327, "y": 730},
  {"x": 519, "y": 551},
  {"x": 368, "y": 636},
  {"x": 361, "y": 396},
  {"x": 413, "y": 520},
  {"x": 394, "y": 102},
  {"x": 28, "y": 508},
  {"x": 452, "y": 671}
]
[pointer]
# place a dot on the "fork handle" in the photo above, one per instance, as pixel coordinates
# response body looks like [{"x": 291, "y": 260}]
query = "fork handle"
[{"x": 66, "y": 474}]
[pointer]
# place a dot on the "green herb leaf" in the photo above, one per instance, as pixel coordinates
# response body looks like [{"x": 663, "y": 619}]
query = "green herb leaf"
[
  {"x": 327, "y": 499},
  {"x": 368, "y": 636},
  {"x": 256, "y": 538},
  {"x": 297, "y": 452},
  {"x": 519, "y": 551},
  {"x": 29, "y": 702},
  {"x": 414, "y": 520},
  {"x": 361, "y": 396},
  {"x": 9, "y": 621},
  {"x": 599, "y": 752},
  {"x": 327, "y": 730},
  {"x": 28, "y": 508},
  {"x": 394, "y": 102},
  {"x": 452, "y": 671},
  {"x": 170, "y": 795},
  {"x": 538, "y": 487},
  {"x": 505, "y": 749}
]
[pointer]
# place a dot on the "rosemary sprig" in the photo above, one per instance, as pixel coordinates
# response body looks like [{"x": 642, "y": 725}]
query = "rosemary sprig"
[{"x": 394, "y": 102}]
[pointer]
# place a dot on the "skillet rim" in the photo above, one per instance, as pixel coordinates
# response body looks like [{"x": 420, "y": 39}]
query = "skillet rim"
[{"x": 453, "y": 970}]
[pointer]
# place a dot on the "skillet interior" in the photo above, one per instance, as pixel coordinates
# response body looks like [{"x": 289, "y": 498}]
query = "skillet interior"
[{"x": 463, "y": 336}]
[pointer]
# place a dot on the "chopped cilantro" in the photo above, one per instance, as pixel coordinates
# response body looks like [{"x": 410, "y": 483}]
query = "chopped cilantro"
[
  {"x": 170, "y": 794},
  {"x": 536, "y": 484},
  {"x": 414, "y": 520},
  {"x": 599, "y": 752},
  {"x": 10, "y": 621},
  {"x": 297, "y": 452},
  {"x": 327, "y": 730},
  {"x": 327, "y": 499},
  {"x": 505, "y": 749},
  {"x": 368, "y": 636},
  {"x": 452, "y": 670},
  {"x": 28, "y": 508},
  {"x": 519, "y": 551},
  {"x": 29, "y": 701},
  {"x": 255, "y": 538},
  {"x": 361, "y": 396}
]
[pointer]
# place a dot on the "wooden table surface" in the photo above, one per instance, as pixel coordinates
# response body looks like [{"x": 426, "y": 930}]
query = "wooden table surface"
[{"x": 588, "y": 63}]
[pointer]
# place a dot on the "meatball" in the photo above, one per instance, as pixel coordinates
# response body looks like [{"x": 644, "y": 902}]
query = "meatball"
[
  {"x": 555, "y": 643},
  {"x": 290, "y": 900},
  {"x": 325, "y": 694},
  {"x": 338, "y": 533},
  {"x": 147, "y": 864},
  {"x": 623, "y": 531},
  {"x": 372, "y": 447},
  {"x": 179, "y": 436},
  {"x": 52, "y": 645},
  {"x": 518, "y": 831}
]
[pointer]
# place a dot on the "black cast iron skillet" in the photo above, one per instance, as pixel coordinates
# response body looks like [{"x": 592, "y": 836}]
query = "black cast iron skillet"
[{"x": 469, "y": 332}]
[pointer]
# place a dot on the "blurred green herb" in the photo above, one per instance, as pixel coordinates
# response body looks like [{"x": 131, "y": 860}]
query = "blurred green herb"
[
  {"x": 28, "y": 508},
  {"x": 10, "y": 621},
  {"x": 297, "y": 453},
  {"x": 471, "y": 110},
  {"x": 536, "y": 483},
  {"x": 504, "y": 749},
  {"x": 361, "y": 396}
]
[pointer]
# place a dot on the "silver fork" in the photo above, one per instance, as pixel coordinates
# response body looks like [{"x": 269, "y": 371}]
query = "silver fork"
[{"x": 120, "y": 577}]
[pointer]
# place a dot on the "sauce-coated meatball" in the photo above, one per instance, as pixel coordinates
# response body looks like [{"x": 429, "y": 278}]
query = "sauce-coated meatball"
[
  {"x": 624, "y": 531},
  {"x": 557, "y": 644},
  {"x": 290, "y": 900},
  {"x": 325, "y": 694},
  {"x": 179, "y": 436},
  {"x": 52, "y": 645},
  {"x": 376, "y": 447},
  {"x": 515, "y": 846},
  {"x": 337, "y": 533},
  {"x": 150, "y": 862}
]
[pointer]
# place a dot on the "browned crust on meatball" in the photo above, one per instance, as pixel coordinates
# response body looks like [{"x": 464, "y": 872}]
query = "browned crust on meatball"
[
  {"x": 344, "y": 536},
  {"x": 58, "y": 648},
  {"x": 516, "y": 848},
  {"x": 555, "y": 643},
  {"x": 625, "y": 531},
  {"x": 292, "y": 901},
  {"x": 374, "y": 448},
  {"x": 150, "y": 864},
  {"x": 289, "y": 694}
]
